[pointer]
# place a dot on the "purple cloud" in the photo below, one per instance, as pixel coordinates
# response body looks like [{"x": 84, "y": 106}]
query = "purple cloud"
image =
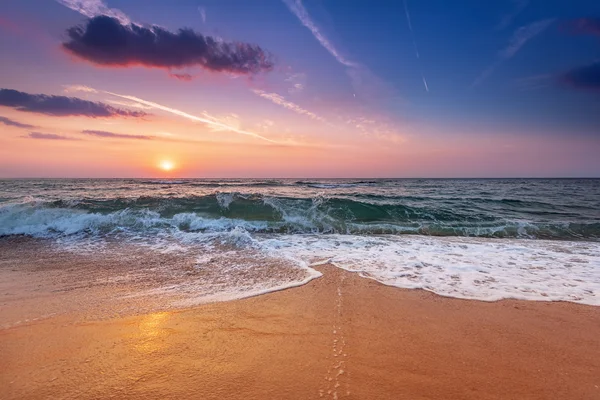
[
  {"x": 105, "y": 134},
  {"x": 10, "y": 122},
  {"x": 106, "y": 41},
  {"x": 587, "y": 77},
  {"x": 46, "y": 136},
  {"x": 182, "y": 77},
  {"x": 61, "y": 106}
]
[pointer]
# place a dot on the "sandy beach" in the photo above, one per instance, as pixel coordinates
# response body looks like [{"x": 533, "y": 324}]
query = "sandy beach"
[{"x": 340, "y": 336}]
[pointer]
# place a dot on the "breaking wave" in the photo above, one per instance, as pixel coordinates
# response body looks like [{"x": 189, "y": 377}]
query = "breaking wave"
[{"x": 223, "y": 211}]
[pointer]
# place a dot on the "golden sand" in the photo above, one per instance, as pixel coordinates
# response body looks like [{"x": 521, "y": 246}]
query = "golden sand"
[{"x": 340, "y": 336}]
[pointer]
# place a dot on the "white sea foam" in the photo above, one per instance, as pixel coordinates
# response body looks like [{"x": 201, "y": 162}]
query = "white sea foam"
[
  {"x": 473, "y": 268},
  {"x": 225, "y": 199},
  {"x": 469, "y": 268},
  {"x": 39, "y": 220}
]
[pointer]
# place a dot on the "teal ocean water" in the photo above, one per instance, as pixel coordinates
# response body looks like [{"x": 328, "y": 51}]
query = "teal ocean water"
[
  {"x": 534, "y": 209},
  {"x": 483, "y": 239}
]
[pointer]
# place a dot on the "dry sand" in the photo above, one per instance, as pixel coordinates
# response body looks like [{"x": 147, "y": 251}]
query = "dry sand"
[{"x": 340, "y": 336}]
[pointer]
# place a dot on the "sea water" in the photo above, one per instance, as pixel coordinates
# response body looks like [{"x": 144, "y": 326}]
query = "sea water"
[{"x": 484, "y": 239}]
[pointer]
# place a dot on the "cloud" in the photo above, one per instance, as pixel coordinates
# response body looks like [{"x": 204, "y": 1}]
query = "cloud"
[
  {"x": 280, "y": 100},
  {"x": 297, "y": 82},
  {"x": 534, "y": 82},
  {"x": 130, "y": 104},
  {"x": 519, "y": 6},
  {"x": 486, "y": 73},
  {"x": 10, "y": 122},
  {"x": 364, "y": 82},
  {"x": 523, "y": 35},
  {"x": 181, "y": 77},
  {"x": 384, "y": 131},
  {"x": 212, "y": 122},
  {"x": 584, "y": 26},
  {"x": 61, "y": 105},
  {"x": 104, "y": 134},
  {"x": 79, "y": 88},
  {"x": 587, "y": 77},
  {"x": 519, "y": 38},
  {"x": 107, "y": 41},
  {"x": 46, "y": 136},
  {"x": 298, "y": 9},
  {"x": 202, "y": 12},
  {"x": 94, "y": 8}
]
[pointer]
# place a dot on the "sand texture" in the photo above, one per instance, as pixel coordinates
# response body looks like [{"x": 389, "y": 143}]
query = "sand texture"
[{"x": 340, "y": 336}]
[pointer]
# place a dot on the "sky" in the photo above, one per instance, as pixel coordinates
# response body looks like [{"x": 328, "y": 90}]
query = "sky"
[{"x": 299, "y": 88}]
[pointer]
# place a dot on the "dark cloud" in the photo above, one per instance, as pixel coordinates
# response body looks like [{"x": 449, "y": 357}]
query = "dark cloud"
[
  {"x": 105, "y": 41},
  {"x": 10, "y": 122},
  {"x": 61, "y": 105},
  {"x": 105, "y": 134},
  {"x": 47, "y": 136},
  {"x": 584, "y": 26},
  {"x": 587, "y": 77}
]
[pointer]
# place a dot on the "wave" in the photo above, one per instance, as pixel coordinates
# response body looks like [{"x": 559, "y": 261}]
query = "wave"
[
  {"x": 224, "y": 211},
  {"x": 336, "y": 185}
]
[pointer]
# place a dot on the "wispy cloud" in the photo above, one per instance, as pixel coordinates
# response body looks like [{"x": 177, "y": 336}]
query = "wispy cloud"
[
  {"x": 534, "y": 82},
  {"x": 130, "y": 104},
  {"x": 519, "y": 38},
  {"x": 376, "y": 128},
  {"x": 210, "y": 121},
  {"x": 507, "y": 19},
  {"x": 364, "y": 82},
  {"x": 112, "y": 135},
  {"x": 523, "y": 35},
  {"x": 79, "y": 88},
  {"x": 94, "y": 8},
  {"x": 181, "y": 77},
  {"x": 61, "y": 105},
  {"x": 10, "y": 122},
  {"x": 298, "y": 9},
  {"x": 280, "y": 100},
  {"x": 47, "y": 136},
  {"x": 202, "y": 12},
  {"x": 107, "y": 41},
  {"x": 297, "y": 82}
]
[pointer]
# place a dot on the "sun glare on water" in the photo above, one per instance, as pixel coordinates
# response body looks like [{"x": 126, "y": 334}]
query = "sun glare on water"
[{"x": 166, "y": 165}]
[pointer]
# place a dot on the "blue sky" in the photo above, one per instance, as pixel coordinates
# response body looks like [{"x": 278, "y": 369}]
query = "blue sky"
[{"x": 391, "y": 80}]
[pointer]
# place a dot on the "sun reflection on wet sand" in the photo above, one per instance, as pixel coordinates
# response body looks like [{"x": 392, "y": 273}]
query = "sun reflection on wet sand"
[{"x": 151, "y": 335}]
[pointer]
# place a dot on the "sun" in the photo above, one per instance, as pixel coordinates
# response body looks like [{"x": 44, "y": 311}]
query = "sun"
[{"x": 166, "y": 165}]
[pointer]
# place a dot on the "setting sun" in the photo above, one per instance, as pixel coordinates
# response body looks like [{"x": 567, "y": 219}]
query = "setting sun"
[{"x": 166, "y": 165}]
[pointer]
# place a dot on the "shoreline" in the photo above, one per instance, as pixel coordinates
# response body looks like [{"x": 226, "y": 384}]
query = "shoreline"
[{"x": 338, "y": 336}]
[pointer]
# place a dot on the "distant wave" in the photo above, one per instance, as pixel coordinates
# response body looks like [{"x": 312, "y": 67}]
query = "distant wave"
[{"x": 223, "y": 211}]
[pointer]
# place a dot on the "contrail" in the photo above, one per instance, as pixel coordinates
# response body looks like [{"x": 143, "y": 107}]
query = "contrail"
[
  {"x": 210, "y": 121},
  {"x": 412, "y": 36}
]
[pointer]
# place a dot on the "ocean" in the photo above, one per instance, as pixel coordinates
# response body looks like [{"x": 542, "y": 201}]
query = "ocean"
[{"x": 222, "y": 239}]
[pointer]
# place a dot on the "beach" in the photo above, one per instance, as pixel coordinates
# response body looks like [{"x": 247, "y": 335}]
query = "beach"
[
  {"x": 339, "y": 336},
  {"x": 296, "y": 289}
]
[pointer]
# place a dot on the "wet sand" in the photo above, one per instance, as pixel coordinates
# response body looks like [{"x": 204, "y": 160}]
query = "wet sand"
[{"x": 340, "y": 336}]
